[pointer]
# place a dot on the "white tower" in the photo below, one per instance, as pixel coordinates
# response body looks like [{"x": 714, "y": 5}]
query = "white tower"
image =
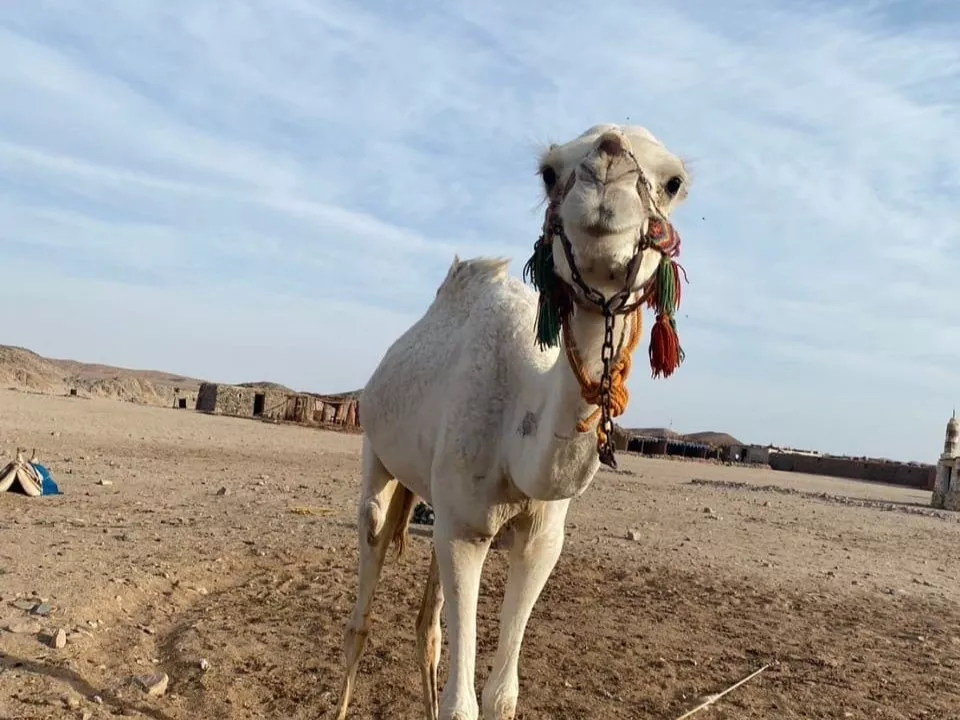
[
  {"x": 946, "y": 485},
  {"x": 951, "y": 441}
]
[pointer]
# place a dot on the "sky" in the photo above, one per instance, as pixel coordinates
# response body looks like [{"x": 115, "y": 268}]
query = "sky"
[{"x": 274, "y": 189}]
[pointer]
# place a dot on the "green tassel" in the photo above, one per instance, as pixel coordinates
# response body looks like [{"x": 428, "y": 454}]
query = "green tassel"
[
  {"x": 548, "y": 324},
  {"x": 539, "y": 271},
  {"x": 667, "y": 289}
]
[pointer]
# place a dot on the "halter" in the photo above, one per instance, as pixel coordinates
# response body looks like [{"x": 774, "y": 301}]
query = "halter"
[{"x": 557, "y": 300}]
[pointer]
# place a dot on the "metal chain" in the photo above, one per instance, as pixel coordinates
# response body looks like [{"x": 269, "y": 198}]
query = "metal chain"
[
  {"x": 609, "y": 307},
  {"x": 591, "y": 294},
  {"x": 606, "y": 449}
]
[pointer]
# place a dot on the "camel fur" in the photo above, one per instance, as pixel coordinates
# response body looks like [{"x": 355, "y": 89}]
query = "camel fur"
[{"x": 468, "y": 413}]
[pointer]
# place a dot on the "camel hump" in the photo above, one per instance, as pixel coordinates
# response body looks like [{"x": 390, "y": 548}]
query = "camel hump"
[{"x": 465, "y": 274}]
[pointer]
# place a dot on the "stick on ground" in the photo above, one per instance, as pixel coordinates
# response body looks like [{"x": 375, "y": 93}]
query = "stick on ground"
[{"x": 713, "y": 698}]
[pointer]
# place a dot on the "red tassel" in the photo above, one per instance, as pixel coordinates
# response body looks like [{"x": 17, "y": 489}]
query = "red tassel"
[{"x": 665, "y": 351}]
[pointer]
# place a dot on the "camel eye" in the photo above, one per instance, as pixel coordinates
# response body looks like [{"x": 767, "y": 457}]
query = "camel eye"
[
  {"x": 549, "y": 176},
  {"x": 673, "y": 185}
]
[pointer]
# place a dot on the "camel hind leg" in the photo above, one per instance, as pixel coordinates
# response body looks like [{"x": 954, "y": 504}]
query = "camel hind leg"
[
  {"x": 429, "y": 639},
  {"x": 384, "y": 514}
]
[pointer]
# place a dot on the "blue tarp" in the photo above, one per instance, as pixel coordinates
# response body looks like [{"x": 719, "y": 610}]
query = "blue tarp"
[{"x": 48, "y": 484}]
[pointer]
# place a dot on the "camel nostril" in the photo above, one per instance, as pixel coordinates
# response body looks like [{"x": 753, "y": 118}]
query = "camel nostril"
[{"x": 612, "y": 144}]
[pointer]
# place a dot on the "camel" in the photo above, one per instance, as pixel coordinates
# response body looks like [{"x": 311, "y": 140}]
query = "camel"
[{"x": 484, "y": 406}]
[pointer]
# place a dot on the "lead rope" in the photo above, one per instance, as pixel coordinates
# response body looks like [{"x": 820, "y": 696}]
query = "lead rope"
[{"x": 610, "y": 393}]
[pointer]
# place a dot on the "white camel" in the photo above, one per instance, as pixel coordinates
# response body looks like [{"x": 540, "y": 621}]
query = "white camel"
[{"x": 467, "y": 411}]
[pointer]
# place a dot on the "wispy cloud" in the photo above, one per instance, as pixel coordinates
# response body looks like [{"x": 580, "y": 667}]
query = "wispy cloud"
[{"x": 228, "y": 189}]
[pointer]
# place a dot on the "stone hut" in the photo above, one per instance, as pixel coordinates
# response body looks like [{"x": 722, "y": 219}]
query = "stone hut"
[
  {"x": 279, "y": 405},
  {"x": 756, "y": 455},
  {"x": 242, "y": 401}
]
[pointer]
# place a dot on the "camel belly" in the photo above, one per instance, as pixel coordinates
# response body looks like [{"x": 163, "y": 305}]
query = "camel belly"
[
  {"x": 399, "y": 427},
  {"x": 400, "y": 451}
]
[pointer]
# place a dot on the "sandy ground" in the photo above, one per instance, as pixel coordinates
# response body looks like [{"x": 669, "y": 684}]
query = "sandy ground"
[{"x": 233, "y": 542}]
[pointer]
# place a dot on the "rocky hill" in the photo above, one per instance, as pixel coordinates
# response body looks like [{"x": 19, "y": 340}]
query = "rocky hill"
[
  {"x": 709, "y": 437},
  {"x": 23, "y": 369}
]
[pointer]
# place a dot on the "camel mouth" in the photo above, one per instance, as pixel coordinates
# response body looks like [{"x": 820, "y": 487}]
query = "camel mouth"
[
  {"x": 607, "y": 225},
  {"x": 599, "y": 229}
]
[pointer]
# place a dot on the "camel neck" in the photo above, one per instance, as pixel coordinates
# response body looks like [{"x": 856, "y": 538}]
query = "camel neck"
[
  {"x": 586, "y": 330},
  {"x": 580, "y": 366},
  {"x": 551, "y": 457}
]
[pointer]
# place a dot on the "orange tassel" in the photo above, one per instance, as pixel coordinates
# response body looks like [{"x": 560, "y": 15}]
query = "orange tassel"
[{"x": 665, "y": 351}]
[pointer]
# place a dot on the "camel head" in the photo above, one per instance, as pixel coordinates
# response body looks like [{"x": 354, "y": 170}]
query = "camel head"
[{"x": 605, "y": 187}]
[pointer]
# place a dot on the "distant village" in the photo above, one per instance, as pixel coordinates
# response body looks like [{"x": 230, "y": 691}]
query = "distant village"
[{"x": 273, "y": 403}]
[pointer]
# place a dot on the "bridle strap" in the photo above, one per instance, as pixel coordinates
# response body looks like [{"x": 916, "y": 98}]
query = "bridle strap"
[
  {"x": 595, "y": 301},
  {"x": 592, "y": 300},
  {"x": 589, "y": 298}
]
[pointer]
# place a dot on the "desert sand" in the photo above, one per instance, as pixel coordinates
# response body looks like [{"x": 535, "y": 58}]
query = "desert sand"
[{"x": 221, "y": 552}]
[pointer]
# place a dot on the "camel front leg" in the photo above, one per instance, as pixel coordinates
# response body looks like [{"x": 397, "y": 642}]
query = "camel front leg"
[
  {"x": 460, "y": 562},
  {"x": 537, "y": 543}
]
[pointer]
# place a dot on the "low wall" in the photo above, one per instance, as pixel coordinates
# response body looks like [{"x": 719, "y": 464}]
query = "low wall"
[{"x": 891, "y": 473}]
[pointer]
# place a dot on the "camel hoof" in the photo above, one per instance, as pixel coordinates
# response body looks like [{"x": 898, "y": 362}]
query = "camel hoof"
[{"x": 503, "y": 709}]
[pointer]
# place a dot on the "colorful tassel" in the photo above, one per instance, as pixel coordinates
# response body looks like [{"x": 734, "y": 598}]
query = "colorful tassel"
[
  {"x": 539, "y": 270},
  {"x": 665, "y": 351}
]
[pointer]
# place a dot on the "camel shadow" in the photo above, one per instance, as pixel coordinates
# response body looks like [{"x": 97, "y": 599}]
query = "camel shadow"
[
  {"x": 79, "y": 685},
  {"x": 424, "y": 531}
]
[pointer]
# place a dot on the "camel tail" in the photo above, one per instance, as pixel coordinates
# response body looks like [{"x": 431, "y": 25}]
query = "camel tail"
[{"x": 405, "y": 501}]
